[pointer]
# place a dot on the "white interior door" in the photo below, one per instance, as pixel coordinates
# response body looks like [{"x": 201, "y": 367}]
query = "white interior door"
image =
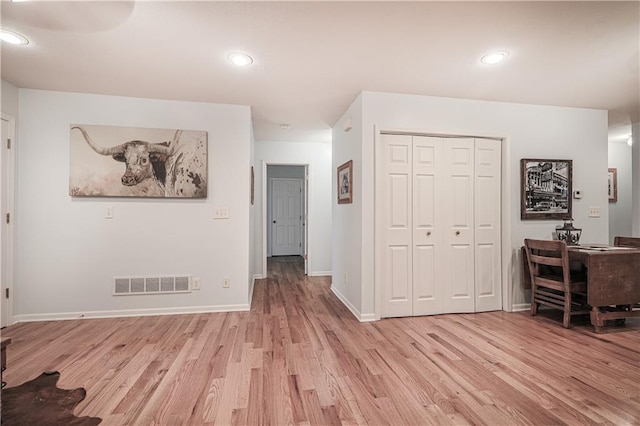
[
  {"x": 457, "y": 204},
  {"x": 286, "y": 217},
  {"x": 4, "y": 227},
  {"x": 396, "y": 222},
  {"x": 428, "y": 256},
  {"x": 438, "y": 225},
  {"x": 487, "y": 223}
]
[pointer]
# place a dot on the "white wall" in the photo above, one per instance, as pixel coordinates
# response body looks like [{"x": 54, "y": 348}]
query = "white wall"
[
  {"x": 285, "y": 172},
  {"x": 9, "y": 98},
  {"x": 348, "y": 229},
  {"x": 318, "y": 157},
  {"x": 620, "y": 222},
  {"x": 530, "y": 131},
  {"x": 252, "y": 219},
  {"x": 67, "y": 253},
  {"x": 635, "y": 185}
]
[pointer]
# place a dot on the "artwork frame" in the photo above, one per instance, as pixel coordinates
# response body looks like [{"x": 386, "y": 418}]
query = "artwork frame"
[
  {"x": 253, "y": 179},
  {"x": 546, "y": 189},
  {"x": 345, "y": 183},
  {"x": 612, "y": 184},
  {"x": 137, "y": 162}
]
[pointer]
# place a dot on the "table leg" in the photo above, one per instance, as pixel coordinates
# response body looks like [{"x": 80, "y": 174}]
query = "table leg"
[{"x": 596, "y": 319}]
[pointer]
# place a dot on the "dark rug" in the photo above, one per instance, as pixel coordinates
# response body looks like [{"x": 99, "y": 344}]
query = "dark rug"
[{"x": 41, "y": 402}]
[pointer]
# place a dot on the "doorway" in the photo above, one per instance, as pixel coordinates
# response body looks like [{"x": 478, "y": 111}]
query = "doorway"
[
  {"x": 6, "y": 227},
  {"x": 285, "y": 211}
]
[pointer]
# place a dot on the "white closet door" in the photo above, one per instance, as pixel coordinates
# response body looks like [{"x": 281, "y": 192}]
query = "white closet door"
[
  {"x": 396, "y": 220},
  {"x": 427, "y": 225},
  {"x": 488, "y": 287},
  {"x": 458, "y": 210}
]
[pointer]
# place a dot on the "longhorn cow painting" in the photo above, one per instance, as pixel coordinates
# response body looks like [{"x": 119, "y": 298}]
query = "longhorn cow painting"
[{"x": 109, "y": 161}]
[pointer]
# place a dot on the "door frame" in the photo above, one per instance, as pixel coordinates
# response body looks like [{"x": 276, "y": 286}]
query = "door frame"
[
  {"x": 505, "y": 201},
  {"x": 270, "y": 216},
  {"x": 8, "y": 176},
  {"x": 305, "y": 204}
]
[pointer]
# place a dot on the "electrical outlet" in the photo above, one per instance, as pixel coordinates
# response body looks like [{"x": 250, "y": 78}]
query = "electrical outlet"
[
  {"x": 225, "y": 282},
  {"x": 108, "y": 212},
  {"x": 221, "y": 214},
  {"x": 195, "y": 284},
  {"x": 594, "y": 211}
]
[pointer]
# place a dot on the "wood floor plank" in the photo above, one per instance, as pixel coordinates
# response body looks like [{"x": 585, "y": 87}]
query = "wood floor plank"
[{"x": 300, "y": 357}]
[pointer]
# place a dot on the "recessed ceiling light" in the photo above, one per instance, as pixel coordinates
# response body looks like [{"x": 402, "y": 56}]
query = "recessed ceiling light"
[
  {"x": 12, "y": 37},
  {"x": 494, "y": 57},
  {"x": 285, "y": 126},
  {"x": 240, "y": 59}
]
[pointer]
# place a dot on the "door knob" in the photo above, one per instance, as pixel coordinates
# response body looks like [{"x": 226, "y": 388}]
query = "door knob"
[
  {"x": 457, "y": 232},
  {"x": 274, "y": 221},
  {"x": 428, "y": 233}
]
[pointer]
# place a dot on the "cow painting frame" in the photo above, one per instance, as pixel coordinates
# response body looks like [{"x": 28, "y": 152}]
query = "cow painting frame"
[
  {"x": 546, "y": 189},
  {"x": 112, "y": 161}
]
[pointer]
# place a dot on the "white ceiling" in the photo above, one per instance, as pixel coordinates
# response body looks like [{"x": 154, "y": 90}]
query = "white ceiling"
[{"x": 313, "y": 58}]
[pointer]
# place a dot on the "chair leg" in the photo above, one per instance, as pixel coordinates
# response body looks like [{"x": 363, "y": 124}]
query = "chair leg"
[
  {"x": 566, "y": 318},
  {"x": 534, "y": 305}
]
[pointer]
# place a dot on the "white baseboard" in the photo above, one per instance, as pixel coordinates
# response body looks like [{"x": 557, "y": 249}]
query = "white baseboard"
[
  {"x": 129, "y": 313},
  {"x": 360, "y": 317},
  {"x": 520, "y": 307},
  {"x": 320, "y": 274}
]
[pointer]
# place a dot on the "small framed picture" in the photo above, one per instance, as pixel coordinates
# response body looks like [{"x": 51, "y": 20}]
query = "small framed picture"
[
  {"x": 546, "y": 189},
  {"x": 345, "y": 183},
  {"x": 253, "y": 186},
  {"x": 613, "y": 185}
]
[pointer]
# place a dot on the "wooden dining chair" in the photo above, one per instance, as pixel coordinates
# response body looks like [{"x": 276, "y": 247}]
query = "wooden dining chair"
[
  {"x": 626, "y": 241},
  {"x": 551, "y": 283}
]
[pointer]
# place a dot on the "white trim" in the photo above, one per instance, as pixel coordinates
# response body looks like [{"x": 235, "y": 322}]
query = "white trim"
[
  {"x": 377, "y": 212},
  {"x": 519, "y": 307},
  {"x": 10, "y": 175},
  {"x": 131, "y": 313},
  {"x": 360, "y": 317},
  {"x": 505, "y": 199},
  {"x": 320, "y": 273},
  {"x": 252, "y": 286}
]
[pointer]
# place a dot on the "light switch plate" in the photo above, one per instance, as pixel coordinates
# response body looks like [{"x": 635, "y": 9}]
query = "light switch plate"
[
  {"x": 594, "y": 211},
  {"x": 222, "y": 213}
]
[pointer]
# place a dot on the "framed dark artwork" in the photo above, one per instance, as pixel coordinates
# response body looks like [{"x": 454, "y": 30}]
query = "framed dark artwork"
[
  {"x": 252, "y": 186},
  {"x": 612, "y": 184},
  {"x": 345, "y": 183},
  {"x": 109, "y": 161},
  {"x": 546, "y": 189}
]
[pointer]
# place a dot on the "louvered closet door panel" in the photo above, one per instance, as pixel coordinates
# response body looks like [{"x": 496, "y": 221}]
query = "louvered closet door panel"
[
  {"x": 396, "y": 219},
  {"x": 458, "y": 204},
  {"x": 427, "y": 225},
  {"x": 488, "y": 287}
]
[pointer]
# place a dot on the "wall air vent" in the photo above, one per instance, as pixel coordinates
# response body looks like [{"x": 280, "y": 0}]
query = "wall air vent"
[{"x": 151, "y": 285}]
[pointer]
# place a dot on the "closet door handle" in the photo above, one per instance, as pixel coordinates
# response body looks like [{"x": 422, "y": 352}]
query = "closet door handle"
[
  {"x": 428, "y": 233},
  {"x": 457, "y": 232}
]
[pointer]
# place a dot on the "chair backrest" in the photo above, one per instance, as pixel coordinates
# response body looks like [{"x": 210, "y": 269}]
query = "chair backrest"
[
  {"x": 549, "y": 260},
  {"x": 626, "y": 242}
]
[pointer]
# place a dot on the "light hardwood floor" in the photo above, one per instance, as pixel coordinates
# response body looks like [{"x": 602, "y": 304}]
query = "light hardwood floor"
[{"x": 300, "y": 357}]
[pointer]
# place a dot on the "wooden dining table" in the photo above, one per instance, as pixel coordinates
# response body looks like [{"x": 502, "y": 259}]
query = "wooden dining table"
[{"x": 613, "y": 280}]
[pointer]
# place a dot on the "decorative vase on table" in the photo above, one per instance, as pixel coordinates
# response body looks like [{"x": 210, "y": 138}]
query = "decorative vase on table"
[{"x": 568, "y": 233}]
